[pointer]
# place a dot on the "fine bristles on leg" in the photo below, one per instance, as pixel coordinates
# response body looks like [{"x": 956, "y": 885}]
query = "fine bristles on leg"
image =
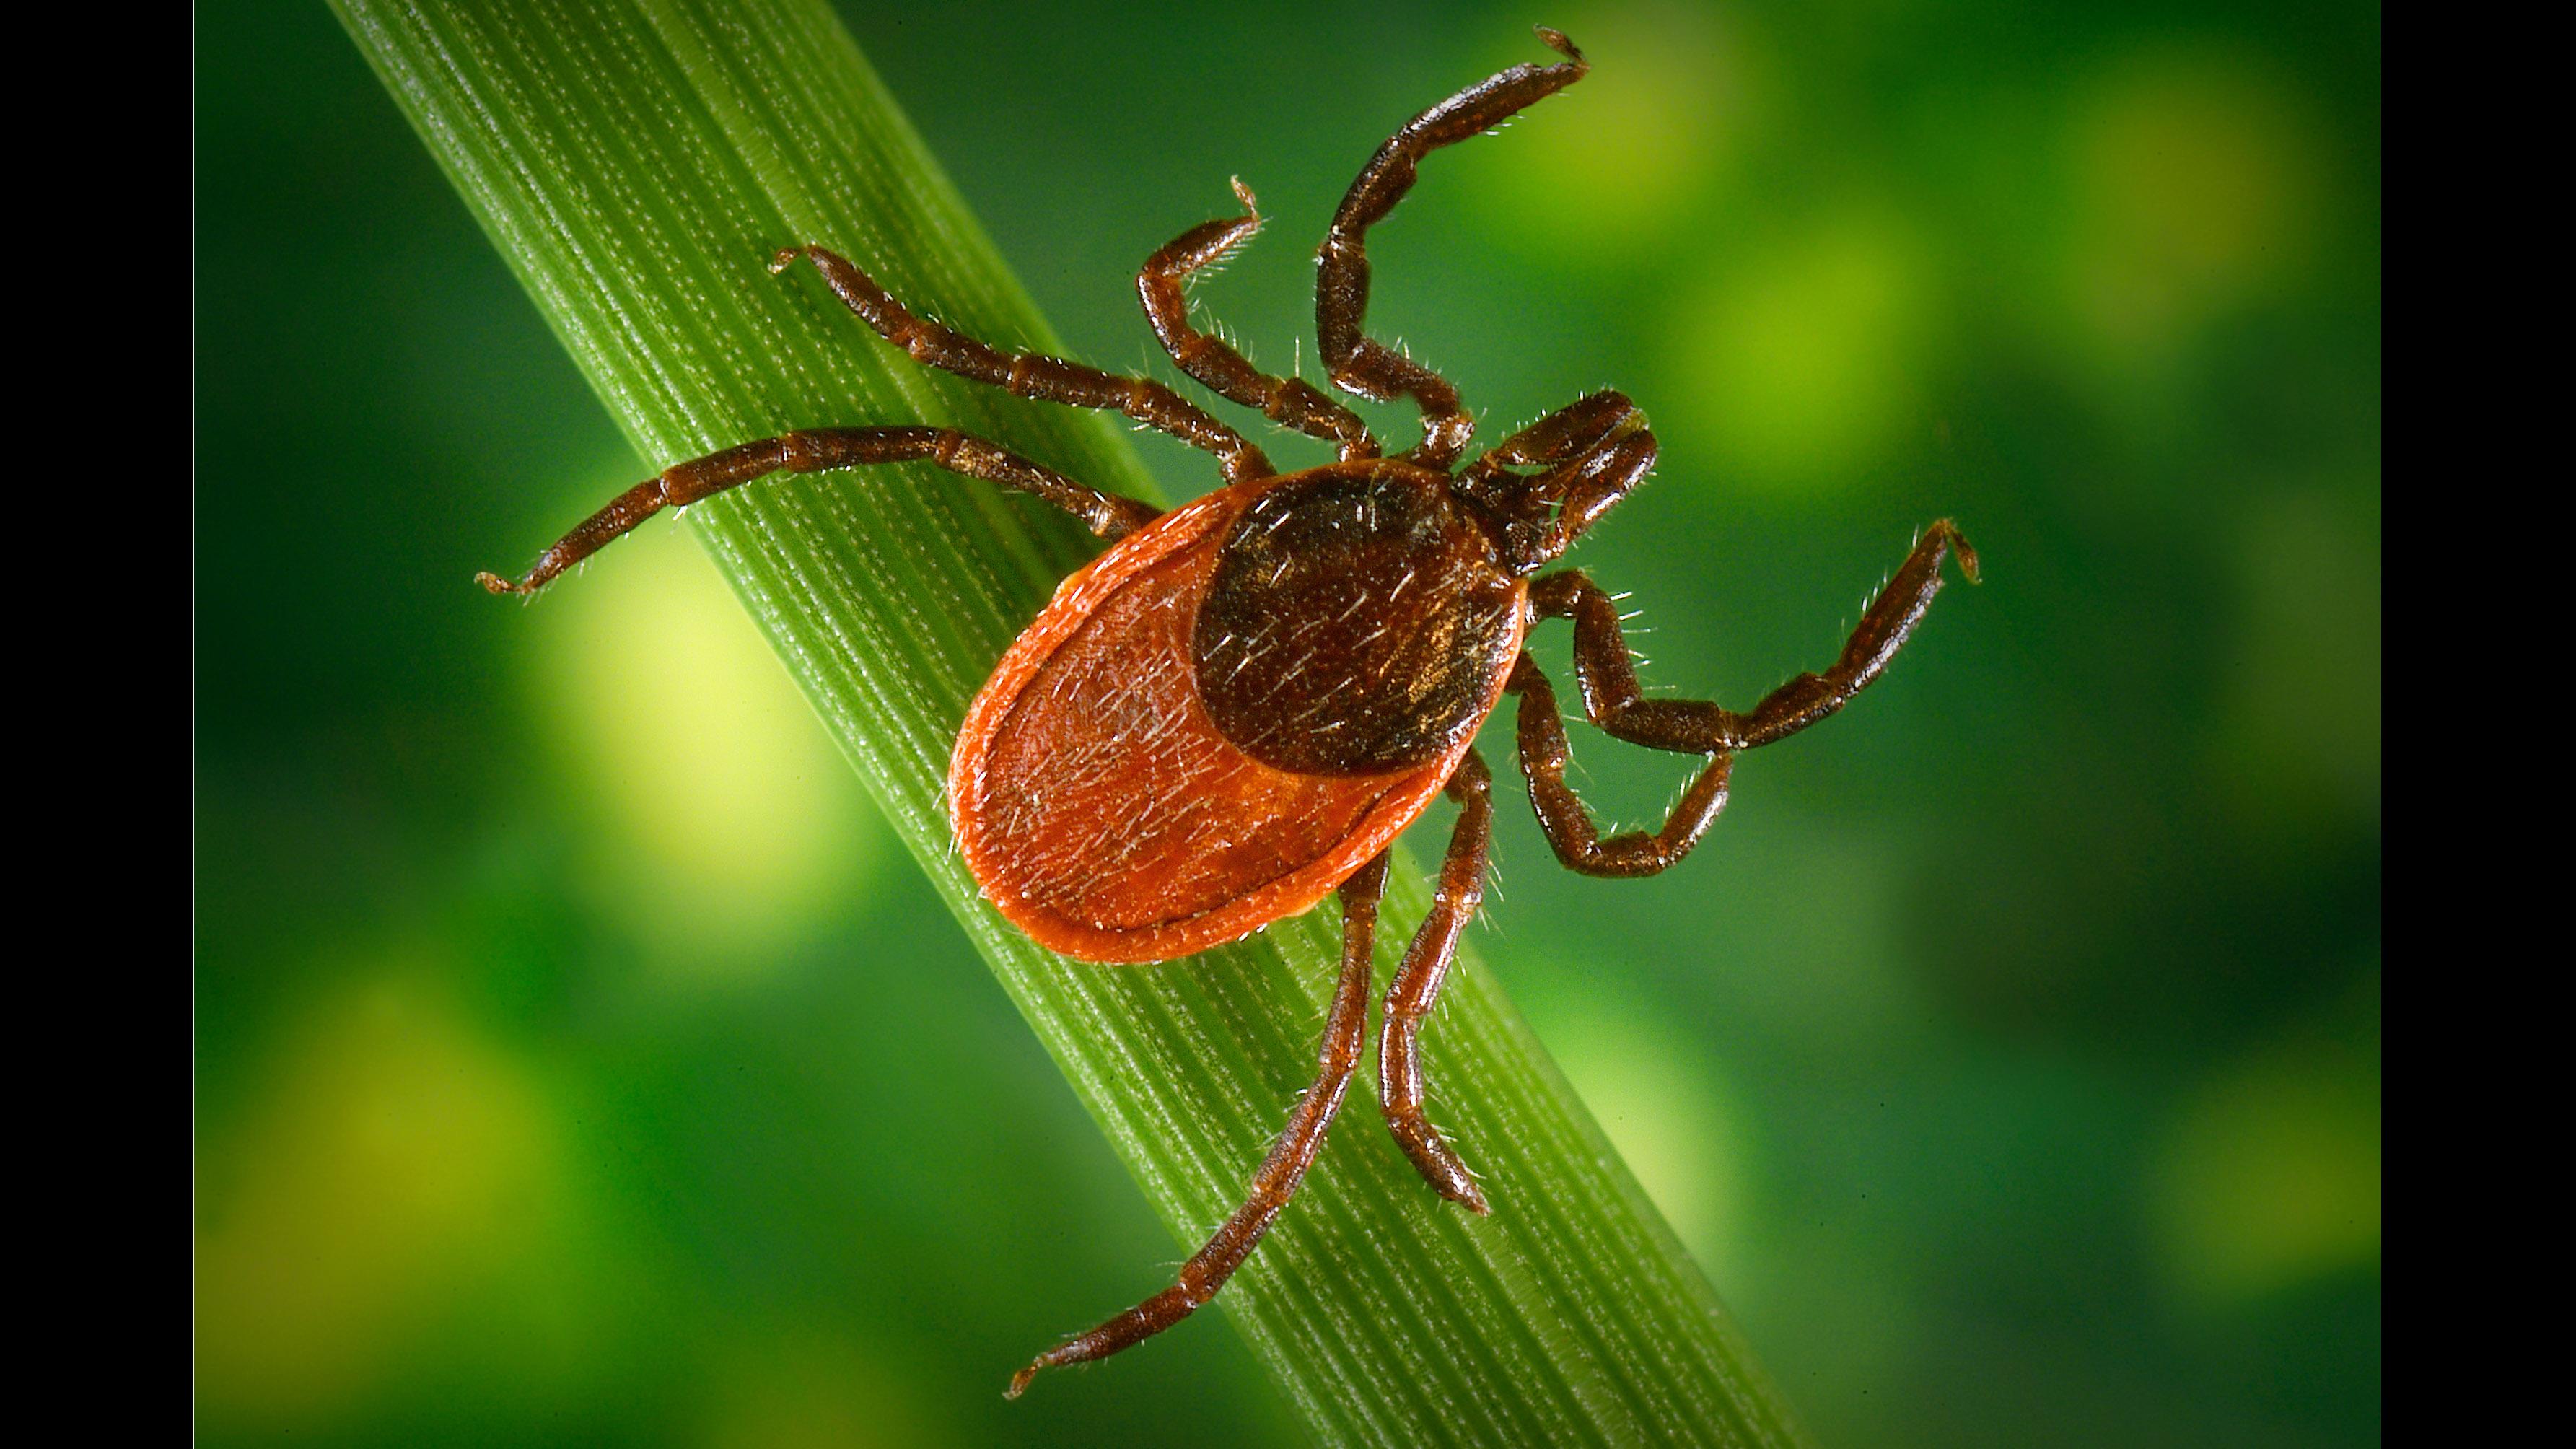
[
  {"x": 1357, "y": 362},
  {"x": 1569, "y": 827},
  {"x": 1206, "y": 357},
  {"x": 1345, "y": 1029},
  {"x": 817, "y": 450},
  {"x": 1417, "y": 983},
  {"x": 1615, "y": 703},
  {"x": 1613, "y": 700},
  {"x": 1030, "y": 374}
]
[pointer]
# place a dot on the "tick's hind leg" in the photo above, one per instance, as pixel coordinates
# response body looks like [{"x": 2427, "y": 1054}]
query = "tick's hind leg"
[
  {"x": 815, "y": 450},
  {"x": 1345, "y": 1028},
  {"x": 1288, "y": 401},
  {"x": 1417, "y": 985},
  {"x": 1030, "y": 374},
  {"x": 1360, "y": 363}
]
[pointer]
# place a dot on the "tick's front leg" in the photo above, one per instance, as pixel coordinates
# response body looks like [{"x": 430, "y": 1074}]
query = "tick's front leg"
[
  {"x": 1358, "y": 362},
  {"x": 1882, "y": 631},
  {"x": 1029, "y": 374},
  {"x": 1613, "y": 700},
  {"x": 1288, "y": 401},
  {"x": 1571, "y": 831}
]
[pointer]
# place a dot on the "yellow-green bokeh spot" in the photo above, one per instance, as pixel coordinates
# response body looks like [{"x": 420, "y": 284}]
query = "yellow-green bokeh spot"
[
  {"x": 1801, "y": 357},
  {"x": 732, "y": 826},
  {"x": 1617, "y": 164},
  {"x": 803, "y": 1388},
  {"x": 2197, "y": 188},
  {"x": 2270, "y": 1176},
  {"x": 403, "y": 1164}
]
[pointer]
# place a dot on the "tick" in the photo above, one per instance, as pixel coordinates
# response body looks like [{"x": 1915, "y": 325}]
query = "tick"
[{"x": 1235, "y": 710}]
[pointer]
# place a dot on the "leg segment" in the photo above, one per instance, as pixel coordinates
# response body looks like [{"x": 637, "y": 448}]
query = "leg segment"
[
  {"x": 1592, "y": 453},
  {"x": 1290, "y": 402},
  {"x": 1276, "y": 1181},
  {"x": 1361, "y": 364},
  {"x": 1569, "y": 827},
  {"x": 813, "y": 451},
  {"x": 1417, "y": 985},
  {"x": 1562, "y": 435},
  {"x": 1028, "y": 374},
  {"x": 1614, "y": 702}
]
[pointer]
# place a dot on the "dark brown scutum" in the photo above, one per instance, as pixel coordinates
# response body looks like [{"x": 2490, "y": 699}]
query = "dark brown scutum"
[
  {"x": 1109, "y": 800},
  {"x": 1357, "y": 623}
]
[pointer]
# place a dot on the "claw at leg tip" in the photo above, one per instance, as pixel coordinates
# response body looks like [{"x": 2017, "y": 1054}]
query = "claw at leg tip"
[
  {"x": 1966, "y": 555},
  {"x": 1020, "y": 1382},
  {"x": 1463, "y": 1191},
  {"x": 494, "y": 583}
]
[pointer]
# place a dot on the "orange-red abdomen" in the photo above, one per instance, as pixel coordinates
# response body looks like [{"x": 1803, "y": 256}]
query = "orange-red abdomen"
[{"x": 1096, "y": 799}]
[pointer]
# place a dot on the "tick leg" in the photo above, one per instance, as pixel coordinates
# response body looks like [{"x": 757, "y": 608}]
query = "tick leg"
[
  {"x": 1417, "y": 985},
  {"x": 1290, "y": 402},
  {"x": 1614, "y": 702},
  {"x": 1568, "y": 825},
  {"x": 1360, "y": 364},
  {"x": 1345, "y": 1028},
  {"x": 813, "y": 451},
  {"x": 1029, "y": 374}
]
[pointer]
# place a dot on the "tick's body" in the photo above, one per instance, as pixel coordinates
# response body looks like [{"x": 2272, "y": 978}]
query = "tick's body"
[
  {"x": 1224, "y": 716},
  {"x": 1235, "y": 710}
]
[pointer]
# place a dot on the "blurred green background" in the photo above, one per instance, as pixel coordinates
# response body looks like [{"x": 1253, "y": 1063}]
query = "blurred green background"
[{"x": 578, "y": 1059}]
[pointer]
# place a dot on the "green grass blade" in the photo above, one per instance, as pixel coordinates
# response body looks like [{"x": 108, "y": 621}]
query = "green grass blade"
[{"x": 636, "y": 162}]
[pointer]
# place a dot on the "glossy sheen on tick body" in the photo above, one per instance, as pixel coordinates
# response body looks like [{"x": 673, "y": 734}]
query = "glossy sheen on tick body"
[
  {"x": 1217, "y": 722},
  {"x": 1233, "y": 712}
]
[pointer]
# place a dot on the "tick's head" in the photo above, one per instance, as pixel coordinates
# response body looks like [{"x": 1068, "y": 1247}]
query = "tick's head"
[{"x": 1544, "y": 485}]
